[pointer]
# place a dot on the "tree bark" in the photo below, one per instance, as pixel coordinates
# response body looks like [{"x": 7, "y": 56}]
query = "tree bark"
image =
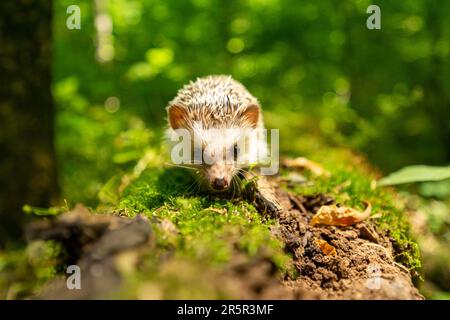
[{"x": 27, "y": 157}]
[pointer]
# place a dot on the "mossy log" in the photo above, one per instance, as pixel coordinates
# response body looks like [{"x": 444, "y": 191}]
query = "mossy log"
[{"x": 150, "y": 256}]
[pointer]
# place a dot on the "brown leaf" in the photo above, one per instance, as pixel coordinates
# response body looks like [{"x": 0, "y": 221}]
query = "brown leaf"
[
  {"x": 333, "y": 215},
  {"x": 326, "y": 248},
  {"x": 304, "y": 163}
]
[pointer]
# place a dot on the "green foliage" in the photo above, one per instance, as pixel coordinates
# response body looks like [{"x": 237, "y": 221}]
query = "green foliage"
[
  {"x": 440, "y": 189},
  {"x": 416, "y": 174},
  {"x": 379, "y": 91},
  {"x": 52, "y": 211},
  {"x": 24, "y": 272}
]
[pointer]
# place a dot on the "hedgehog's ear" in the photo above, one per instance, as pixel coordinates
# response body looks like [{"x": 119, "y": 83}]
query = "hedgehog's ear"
[
  {"x": 251, "y": 114},
  {"x": 177, "y": 116}
]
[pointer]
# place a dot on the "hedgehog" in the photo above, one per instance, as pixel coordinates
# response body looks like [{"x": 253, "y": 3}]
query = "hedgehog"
[{"x": 223, "y": 126}]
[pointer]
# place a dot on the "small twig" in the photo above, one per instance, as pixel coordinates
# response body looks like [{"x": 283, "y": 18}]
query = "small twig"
[{"x": 297, "y": 203}]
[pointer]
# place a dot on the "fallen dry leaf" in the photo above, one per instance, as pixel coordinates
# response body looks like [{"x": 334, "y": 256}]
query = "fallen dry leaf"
[
  {"x": 304, "y": 163},
  {"x": 333, "y": 215},
  {"x": 326, "y": 248},
  {"x": 294, "y": 178}
]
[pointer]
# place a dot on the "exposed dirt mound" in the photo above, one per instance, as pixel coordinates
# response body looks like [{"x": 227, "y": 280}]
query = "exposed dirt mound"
[{"x": 353, "y": 262}]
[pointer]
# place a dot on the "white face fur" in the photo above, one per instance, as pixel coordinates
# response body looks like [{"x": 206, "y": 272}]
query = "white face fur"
[
  {"x": 224, "y": 152},
  {"x": 219, "y": 155}
]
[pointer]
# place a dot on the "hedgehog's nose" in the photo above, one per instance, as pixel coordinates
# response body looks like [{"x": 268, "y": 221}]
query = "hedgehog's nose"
[{"x": 220, "y": 184}]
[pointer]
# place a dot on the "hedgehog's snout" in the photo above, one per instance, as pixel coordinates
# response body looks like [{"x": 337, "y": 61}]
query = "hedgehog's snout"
[
  {"x": 220, "y": 184},
  {"x": 219, "y": 176}
]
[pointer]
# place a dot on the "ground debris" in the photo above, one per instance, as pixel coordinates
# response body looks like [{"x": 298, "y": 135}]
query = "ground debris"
[
  {"x": 304, "y": 163},
  {"x": 326, "y": 248},
  {"x": 95, "y": 244},
  {"x": 350, "y": 259},
  {"x": 335, "y": 215}
]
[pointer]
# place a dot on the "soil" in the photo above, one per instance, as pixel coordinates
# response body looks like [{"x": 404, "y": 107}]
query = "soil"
[{"x": 354, "y": 262}]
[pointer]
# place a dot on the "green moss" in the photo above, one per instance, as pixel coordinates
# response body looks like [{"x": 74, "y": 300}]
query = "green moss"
[
  {"x": 209, "y": 231},
  {"x": 23, "y": 271},
  {"x": 154, "y": 188}
]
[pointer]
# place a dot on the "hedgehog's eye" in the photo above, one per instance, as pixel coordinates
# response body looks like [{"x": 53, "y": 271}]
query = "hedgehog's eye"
[{"x": 235, "y": 151}]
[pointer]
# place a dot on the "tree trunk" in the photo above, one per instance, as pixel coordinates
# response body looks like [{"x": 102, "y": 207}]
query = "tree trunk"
[{"x": 27, "y": 158}]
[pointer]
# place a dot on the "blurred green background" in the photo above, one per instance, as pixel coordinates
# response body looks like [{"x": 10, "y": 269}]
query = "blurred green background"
[
  {"x": 321, "y": 76},
  {"x": 313, "y": 64}
]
